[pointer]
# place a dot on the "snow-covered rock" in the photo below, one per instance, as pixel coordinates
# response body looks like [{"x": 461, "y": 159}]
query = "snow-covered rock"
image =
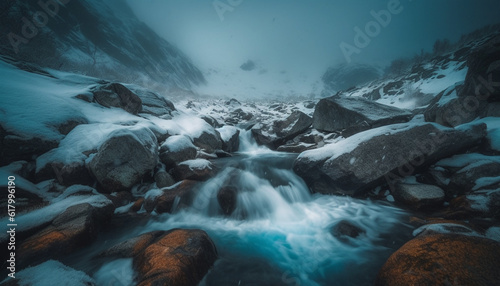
[
  {"x": 51, "y": 272},
  {"x": 124, "y": 159},
  {"x": 360, "y": 162},
  {"x": 281, "y": 131},
  {"x": 197, "y": 169},
  {"x": 117, "y": 95},
  {"x": 355, "y": 114},
  {"x": 230, "y": 138},
  {"x": 176, "y": 149}
]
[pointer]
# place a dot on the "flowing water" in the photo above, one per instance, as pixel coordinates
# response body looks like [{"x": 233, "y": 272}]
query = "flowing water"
[{"x": 278, "y": 234}]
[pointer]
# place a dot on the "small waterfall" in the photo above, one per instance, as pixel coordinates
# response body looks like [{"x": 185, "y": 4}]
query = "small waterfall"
[{"x": 249, "y": 146}]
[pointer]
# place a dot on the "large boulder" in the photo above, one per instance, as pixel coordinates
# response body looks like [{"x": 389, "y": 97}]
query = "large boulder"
[
  {"x": 124, "y": 159},
  {"x": 443, "y": 259},
  {"x": 176, "y": 149},
  {"x": 178, "y": 257},
  {"x": 363, "y": 161},
  {"x": 230, "y": 138},
  {"x": 74, "y": 228},
  {"x": 355, "y": 114},
  {"x": 117, "y": 95},
  {"x": 281, "y": 131},
  {"x": 153, "y": 103}
]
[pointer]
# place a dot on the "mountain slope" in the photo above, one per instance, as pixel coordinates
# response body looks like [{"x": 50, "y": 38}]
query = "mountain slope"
[{"x": 102, "y": 39}]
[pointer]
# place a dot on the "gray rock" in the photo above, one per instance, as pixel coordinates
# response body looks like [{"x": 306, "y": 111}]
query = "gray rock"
[
  {"x": 344, "y": 229},
  {"x": 355, "y": 114},
  {"x": 363, "y": 161},
  {"x": 117, "y": 95},
  {"x": 227, "y": 199},
  {"x": 124, "y": 159},
  {"x": 176, "y": 149},
  {"x": 230, "y": 137},
  {"x": 282, "y": 130},
  {"x": 418, "y": 196},
  {"x": 197, "y": 169}
]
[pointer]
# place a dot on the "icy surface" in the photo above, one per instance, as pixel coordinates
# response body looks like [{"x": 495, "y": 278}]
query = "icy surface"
[{"x": 51, "y": 273}]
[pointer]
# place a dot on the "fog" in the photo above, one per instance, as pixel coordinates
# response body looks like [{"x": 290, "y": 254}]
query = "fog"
[{"x": 302, "y": 38}]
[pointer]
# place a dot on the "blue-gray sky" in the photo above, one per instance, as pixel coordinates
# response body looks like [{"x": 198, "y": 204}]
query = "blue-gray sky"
[
  {"x": 307, "y": 32},
  {"x": 304, "y": 36}
]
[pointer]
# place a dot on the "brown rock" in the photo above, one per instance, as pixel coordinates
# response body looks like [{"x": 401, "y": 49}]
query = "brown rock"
[
  {"x": 180, "y": 257},
  {"x": 74, "y": 228},
  {"x": 443, "y": 259}
]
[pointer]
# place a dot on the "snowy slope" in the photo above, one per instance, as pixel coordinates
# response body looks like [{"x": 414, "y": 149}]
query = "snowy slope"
[{"x": 96, "y": 38}]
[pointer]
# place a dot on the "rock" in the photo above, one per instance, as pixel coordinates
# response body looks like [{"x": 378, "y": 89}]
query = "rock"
[
  {"x": 483, "y": 72},
  {"x": 163, "y": 179},
  {"x": 137, "y": 205},
  {"x": 479, "y": 94},
  {"x": 197, "y": 169},
  {"x": 464, "y": 173},
  {"x": 162, "y": 201},
  {"x": 180, "y": 257},
  {"x": 282, "y": 130},
  {"x": 132, "y": 247},
  {"x": 76, "y": 227},
  {"x": 212, "y": 121},
  {"x": 59, "y": 273},
  {"x": 66, "y": 127},
  {"x": 233, "y": 102},
  {"x": 418, "y": 196},
  {"x": 183, "y": 191},
  {"x": 176, "y": 149},
  {"x": 482, "y": 203},
  {"x": 443, "y": 259},
  {"x": 238, "y": 115},
  {"x": 15, "y": 147},
  {"x": 208, "y": 140},
  {"x": 120, "y": 199},
  {"x": 344, "y": 229},
  {"x": 153, "y": 103},
  {"x": 230, "y": 138},
  {"x": 363, "y": 161},
  {"x": 117, "y": 95},
  {"x": 469, "y": 178},
  {"x": 355, "y": 114},
  {"x": 448, "y": 109},
  {"x": 124, "y": 158},
  {"x": 444, "y": 227},
  {"x": 227, "y": 198},
  {"x": 73, "y": 173},
  {"x": 295, "y": 147}
]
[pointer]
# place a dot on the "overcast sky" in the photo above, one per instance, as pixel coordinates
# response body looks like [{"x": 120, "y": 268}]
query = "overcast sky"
[{"x": 304, "y": 33}]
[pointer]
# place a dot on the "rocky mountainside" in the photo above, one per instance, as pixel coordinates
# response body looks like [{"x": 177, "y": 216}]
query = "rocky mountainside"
[{"x": 95, "y": 38}]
